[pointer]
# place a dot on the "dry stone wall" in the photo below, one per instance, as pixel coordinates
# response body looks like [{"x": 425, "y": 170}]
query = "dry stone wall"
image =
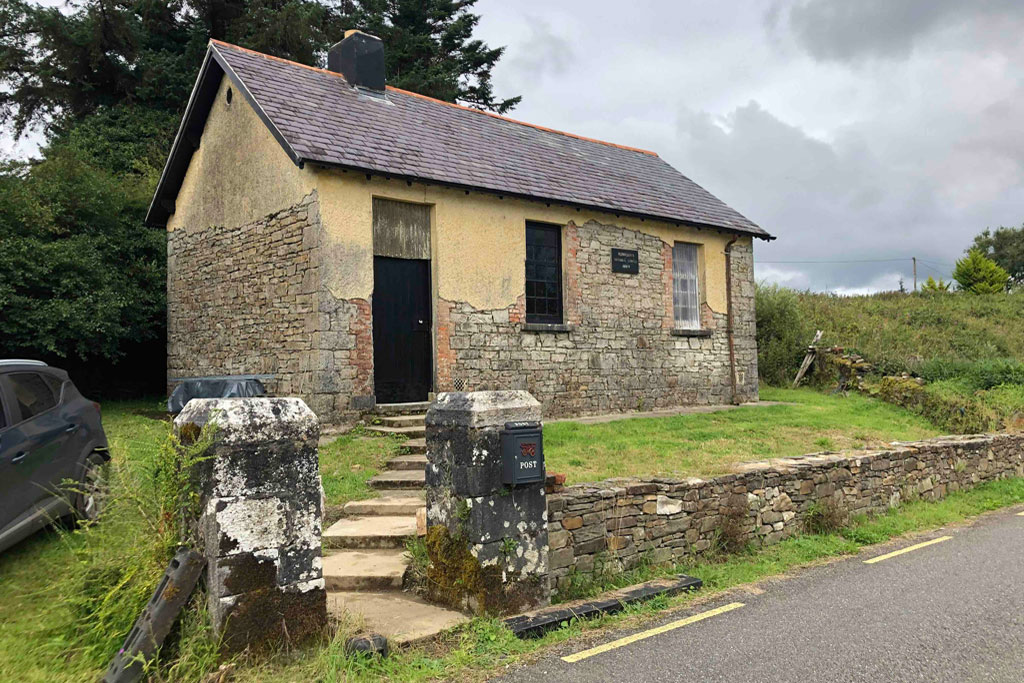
[
  {"x": 619, "y": 352},
  {"x": 610, "y": 525}
]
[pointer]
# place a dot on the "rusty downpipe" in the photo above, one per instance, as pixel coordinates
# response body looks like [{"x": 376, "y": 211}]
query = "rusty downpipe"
[{"x": 728, "y": 320}]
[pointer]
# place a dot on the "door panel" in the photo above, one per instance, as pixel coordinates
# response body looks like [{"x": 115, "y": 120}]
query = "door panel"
[
  {"x": 38, "y": 441},
  {"x": 402, "y": 354}
]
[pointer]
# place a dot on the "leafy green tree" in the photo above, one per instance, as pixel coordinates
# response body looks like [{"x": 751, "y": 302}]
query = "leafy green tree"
[
  {"x": 79, "y": 277},
  {"x": 1005, "y": 246},
  {"x": 933, "y": 287},
  {"x": 430, "y": 49},
  {"x": 977, "y": 274}
]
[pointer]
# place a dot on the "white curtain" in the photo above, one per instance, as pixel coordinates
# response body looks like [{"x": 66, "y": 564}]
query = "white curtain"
[{"x": 685, "y": 288}]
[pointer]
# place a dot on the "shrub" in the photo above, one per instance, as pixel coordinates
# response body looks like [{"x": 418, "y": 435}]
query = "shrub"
[
  {"x": 978, "y": 375},
  {"x": 783, "y": 333},
  {"x": 825, "y": 516},
  {"x": 932, "y": 287},
  {"x": 977, "y": 274},
  {"x": 947, "y": 404}
]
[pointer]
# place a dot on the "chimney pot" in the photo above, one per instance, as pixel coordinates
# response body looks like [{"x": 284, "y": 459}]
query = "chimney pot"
[{"x": 359, "y": 57}]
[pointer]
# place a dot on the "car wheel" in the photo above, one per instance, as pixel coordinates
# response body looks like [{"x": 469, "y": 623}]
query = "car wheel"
[{"x": 93, "y": 494}]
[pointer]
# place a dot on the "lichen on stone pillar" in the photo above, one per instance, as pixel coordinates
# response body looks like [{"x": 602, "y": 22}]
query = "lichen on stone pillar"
[
  {"x": 260, "y": 519},
  {"x": 487, "y": 542}
]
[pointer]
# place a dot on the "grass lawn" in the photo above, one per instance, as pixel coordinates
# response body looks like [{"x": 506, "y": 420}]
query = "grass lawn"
[
  {"x": 348, "y": 461},
  {"x": 67, "y": 599},
  {"x": 707, "y": 444}
]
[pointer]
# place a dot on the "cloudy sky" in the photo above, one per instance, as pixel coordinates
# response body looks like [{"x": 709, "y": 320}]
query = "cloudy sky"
[
  {"x": 865, "y": 131},
  {"x": 853, "y": 131}
]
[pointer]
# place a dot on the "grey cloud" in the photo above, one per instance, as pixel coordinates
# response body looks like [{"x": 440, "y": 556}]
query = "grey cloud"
[
  {"x": 543, "y": 53},
  {"x": 847, "y": 30}
]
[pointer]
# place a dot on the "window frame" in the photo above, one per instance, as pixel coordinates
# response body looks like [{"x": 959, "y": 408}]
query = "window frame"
[
  {"x": 544, "y": 318},
  {"x": 692, "y": 324}
]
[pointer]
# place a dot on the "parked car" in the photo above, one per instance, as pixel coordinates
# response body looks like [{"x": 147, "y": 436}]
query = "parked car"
[{"x": 53, "y": 451}]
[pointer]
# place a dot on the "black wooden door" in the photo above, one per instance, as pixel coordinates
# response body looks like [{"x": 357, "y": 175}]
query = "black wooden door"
[{"x": 402, "y": 367}]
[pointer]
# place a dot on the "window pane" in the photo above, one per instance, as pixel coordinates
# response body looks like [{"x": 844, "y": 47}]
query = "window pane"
[
  {"x": 685, "y": 288},
  {"x": 543, "y": 273},
  {"x": 31, "y": 393},
  {"x": 3, "y": 415}
]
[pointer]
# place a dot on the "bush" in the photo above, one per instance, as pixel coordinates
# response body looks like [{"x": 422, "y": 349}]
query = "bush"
[
  {"x": 783, "y": 333},
  {"x": 825, "y": 516},
  {"x": 948, "y": 404},
  {"x": 977, "y": 375},
  {"x": 977, "y": 274}
]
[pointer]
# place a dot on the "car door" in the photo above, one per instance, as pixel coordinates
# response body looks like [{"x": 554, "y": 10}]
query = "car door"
[
  {"x": 40, "y": 431},
  {"x": 9, "y": 476}
]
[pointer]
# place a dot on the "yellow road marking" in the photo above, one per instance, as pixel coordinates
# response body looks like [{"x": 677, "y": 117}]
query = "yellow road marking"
[
  {"x": 1020, "y": 514},
  {"x": 652, "y": 632},
  {"x": 907, "y": 550}
]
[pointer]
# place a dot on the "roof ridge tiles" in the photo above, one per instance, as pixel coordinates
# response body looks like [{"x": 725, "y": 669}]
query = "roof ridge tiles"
[{"x": 584, "y": 138}]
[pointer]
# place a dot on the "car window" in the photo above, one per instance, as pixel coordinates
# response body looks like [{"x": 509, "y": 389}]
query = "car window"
[
  {"x": 3, "y": 413},
  {"x": 54, "y": 384},
  {"x": 31, "y": 394}
]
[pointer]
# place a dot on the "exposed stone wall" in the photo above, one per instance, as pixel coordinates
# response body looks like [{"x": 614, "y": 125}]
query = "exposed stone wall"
[
  {"x": 243, "y": 299},
  {"x": 611, "y": 525},
  {"x": 620, "y": 352},
  {"x": 250, "y": 299}
]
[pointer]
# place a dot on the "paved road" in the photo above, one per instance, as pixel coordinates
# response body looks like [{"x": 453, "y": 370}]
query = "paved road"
[{"x": 950, "y": 611}]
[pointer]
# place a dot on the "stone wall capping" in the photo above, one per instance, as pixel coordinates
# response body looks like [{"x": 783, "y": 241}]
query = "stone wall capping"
[{"x": 665, "y": 519}]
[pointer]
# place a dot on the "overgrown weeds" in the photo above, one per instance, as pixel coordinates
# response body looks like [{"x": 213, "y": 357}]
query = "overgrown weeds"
[{"x": 825, "y": 516}]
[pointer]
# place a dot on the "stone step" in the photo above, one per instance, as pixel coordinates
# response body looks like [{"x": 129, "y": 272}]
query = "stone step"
[
  {"x": 411, "y": 430},
  {"x": 416, "y": 445},
  {"x": 386, "y": 506},
  {"x": 378, "y": 532},
  {"x": 413, "y": 420},
  {"x": 408, "y": 462},
  {"x": 398, "y": 479},
  {"x": 403, "y": 618},
  {"x": 365, "y": 570},
  {"x": 402, "y": 408}
]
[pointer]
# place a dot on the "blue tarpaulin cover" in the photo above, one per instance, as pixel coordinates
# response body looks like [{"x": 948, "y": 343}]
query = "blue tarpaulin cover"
[{"x": 213, "y": 387}]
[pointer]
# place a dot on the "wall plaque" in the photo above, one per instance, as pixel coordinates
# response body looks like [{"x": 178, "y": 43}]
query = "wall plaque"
[{"x": 625, "y": 261}]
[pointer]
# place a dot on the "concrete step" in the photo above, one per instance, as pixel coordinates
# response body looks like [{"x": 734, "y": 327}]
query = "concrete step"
[
  {"x": 365, "y": 570},
  {"x": 408, "y": 462},
  {"x": 370, "y": 532},
  {"x": 416, "y": 446},
  {"x": 403, "y": 618},
  {"x": 389, "y": 506},
  {"x": 398, "y": 479},
  {"x": 411, "y": 430},
  {"x": 413, "y": 420},
  {"x": 402, "y": 408}
]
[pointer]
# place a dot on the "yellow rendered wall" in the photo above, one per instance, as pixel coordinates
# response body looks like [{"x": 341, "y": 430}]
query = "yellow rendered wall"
[
  {"x": 240, "y": 172},
  {"x": 478, "y": 239}
]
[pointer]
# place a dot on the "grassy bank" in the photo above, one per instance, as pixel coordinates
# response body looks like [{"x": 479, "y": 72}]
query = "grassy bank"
[
  {"x": 706, "y": 444},
  {"x": 968, "y": 348}
]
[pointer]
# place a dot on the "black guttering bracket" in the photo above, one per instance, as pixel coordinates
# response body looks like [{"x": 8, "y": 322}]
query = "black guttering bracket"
[
  {"x": 189, "y": 134},
  {"x": 549, "y": 200}
]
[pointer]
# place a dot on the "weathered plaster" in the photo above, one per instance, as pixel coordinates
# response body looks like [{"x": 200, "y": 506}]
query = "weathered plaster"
[
  {"x": 240, "y": 173},
  {"x": 479, "y": 240}
]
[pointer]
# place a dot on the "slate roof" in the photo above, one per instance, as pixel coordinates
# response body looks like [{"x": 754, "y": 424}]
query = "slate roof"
[{"x": 318, "y": 118}]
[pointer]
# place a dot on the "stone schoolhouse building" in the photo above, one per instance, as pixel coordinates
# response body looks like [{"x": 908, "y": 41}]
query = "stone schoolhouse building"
[{"x": 361, "y": 245}]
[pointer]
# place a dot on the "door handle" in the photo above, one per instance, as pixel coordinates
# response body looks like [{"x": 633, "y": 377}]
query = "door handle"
[
  {"x": 19, "y": 457},
  {"x": 71, "y": 429}
]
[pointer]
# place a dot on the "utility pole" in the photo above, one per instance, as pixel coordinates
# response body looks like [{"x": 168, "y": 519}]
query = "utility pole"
[{"x": 914, "y": 259}]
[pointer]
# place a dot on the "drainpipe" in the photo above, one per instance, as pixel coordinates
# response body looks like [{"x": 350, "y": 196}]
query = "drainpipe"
[{"x": 728, "y": 319}]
